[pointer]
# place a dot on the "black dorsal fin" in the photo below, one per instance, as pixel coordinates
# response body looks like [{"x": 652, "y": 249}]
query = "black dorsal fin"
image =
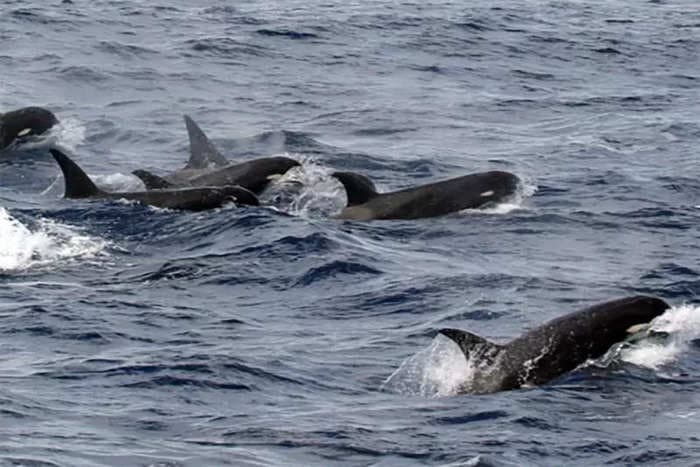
[
  {"x": 359, "y": 188},
  {"x": 152, "y": 181},
  {"x": 203, "y": 153},
  {"x": 468, "y": 342},
  {"x": 78, "y": 184}
]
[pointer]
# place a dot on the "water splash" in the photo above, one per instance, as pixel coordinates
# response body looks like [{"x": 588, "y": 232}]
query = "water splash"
[
  {"x": 118, "y": 182},
  {"x": 113, "y": 183},
  {"x": 69, "y": 134},
  {"x": 22, "y": 247},
  {"x": 437, "y": 371},
  {"x": 306, "y": 191},
  {"x": 681, "y": 324}
]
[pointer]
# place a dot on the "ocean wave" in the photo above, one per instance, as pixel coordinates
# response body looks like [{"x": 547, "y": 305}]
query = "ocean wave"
[
  {"x": 287, "y": 33},
  {"x": 47, "y": 243},
  {"x": 226, "y": 47}
]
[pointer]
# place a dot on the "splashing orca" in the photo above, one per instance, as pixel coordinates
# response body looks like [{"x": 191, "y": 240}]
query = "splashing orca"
[
  {"x": 208, "y": 167},
  {"x": 79, "y": 185},
  {"x": 555, "y": 347},
  {"x": 21, "y": 123},
  {"x": 436, "y": 199}
]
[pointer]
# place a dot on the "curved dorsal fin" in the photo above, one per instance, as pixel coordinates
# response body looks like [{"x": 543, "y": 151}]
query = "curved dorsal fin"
[
  {"x": 78, "y": 184},
  {"x": 152, "y": 181},
  {"x": 203, "y": 153},
  {"x": 359, "y": 188},
  {"x": 467, "y": 341}
]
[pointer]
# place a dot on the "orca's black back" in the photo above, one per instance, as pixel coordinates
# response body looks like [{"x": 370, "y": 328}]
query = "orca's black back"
[
  {"x": 254, "y": 175},
  {"x": 566, "y": 342},
  {"x": 436, "y": 199}
]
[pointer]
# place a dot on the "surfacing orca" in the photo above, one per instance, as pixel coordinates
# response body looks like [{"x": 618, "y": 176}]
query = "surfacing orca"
[
  {"x": 435, "y": 199},
  {"x": 79, "y": 185},
  {"x": 554, "y": 348},
  {"x": 25, "y": 122},
  {"x": 208, "y": 167}
]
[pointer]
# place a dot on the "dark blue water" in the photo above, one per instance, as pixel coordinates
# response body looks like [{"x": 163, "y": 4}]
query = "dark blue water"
[{"x": 277, "y": 336}]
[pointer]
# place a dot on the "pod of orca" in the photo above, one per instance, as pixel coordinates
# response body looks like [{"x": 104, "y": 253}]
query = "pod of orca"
[
  {"x": 208, "y": 167},
  {"x": 209, "y": 180},
  {"x": 79, "y": 185}
]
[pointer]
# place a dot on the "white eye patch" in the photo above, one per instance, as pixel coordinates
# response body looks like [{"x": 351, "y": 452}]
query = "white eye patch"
[
  {"x": 486, "y": 193},
  {"x": 634, "y": 329},
  {"x": 24, "y": 132},
  {"x": 274, "y": 177}
]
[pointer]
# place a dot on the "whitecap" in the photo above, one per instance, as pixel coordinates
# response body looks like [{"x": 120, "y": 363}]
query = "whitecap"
[
  {"x": 23, "y": 247},
  {"x": 307, "y": 190},
  {"x": 437, "y": 371},
  {"x": 681, "y": 324}
]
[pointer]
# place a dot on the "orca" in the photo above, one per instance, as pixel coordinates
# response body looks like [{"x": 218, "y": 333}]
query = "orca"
[
  {"x": 435, "y": 199},
  {"x": 21, "y": 123},
  {"x": 554, "y": 348},
  {"x": 208, "y": 167},
  {"x": 79, "y": 185}
]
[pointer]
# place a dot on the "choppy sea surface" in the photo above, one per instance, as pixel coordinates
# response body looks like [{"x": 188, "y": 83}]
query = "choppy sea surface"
[{"x": 280, "y": 336}]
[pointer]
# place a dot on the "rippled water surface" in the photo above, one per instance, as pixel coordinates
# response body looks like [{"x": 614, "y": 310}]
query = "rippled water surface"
[{"x": 279, "y": 336}]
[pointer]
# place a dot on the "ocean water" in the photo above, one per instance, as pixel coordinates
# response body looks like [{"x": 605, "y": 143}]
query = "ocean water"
[{"x": 132, "y": 336}]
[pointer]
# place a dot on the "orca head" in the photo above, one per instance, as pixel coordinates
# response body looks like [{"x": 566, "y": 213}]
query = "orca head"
[
  {"x": 242, "y": 196},
  {"x": 275, "y": 167},
  {"x": 24, "y": 122},
  {"x": 632, "y": 315},
  {"x": 597, "y": 328},
  {"x": 286, "y": 163},
  {"x": 358, "y": 188},
  {"x": 272, "y": 169}
]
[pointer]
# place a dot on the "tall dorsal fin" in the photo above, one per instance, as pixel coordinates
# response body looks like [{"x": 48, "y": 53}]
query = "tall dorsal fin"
[
  {"x": 359, "y": 188},
  {"x": 203, "y": 153},
  {"x": 152, "y": 181},
  {"x": 469, "y": 342},
  {"x": 78, "y": 184}
]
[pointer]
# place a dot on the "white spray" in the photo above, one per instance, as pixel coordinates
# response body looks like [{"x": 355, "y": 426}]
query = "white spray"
[{"x": 22, "y": 247}]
